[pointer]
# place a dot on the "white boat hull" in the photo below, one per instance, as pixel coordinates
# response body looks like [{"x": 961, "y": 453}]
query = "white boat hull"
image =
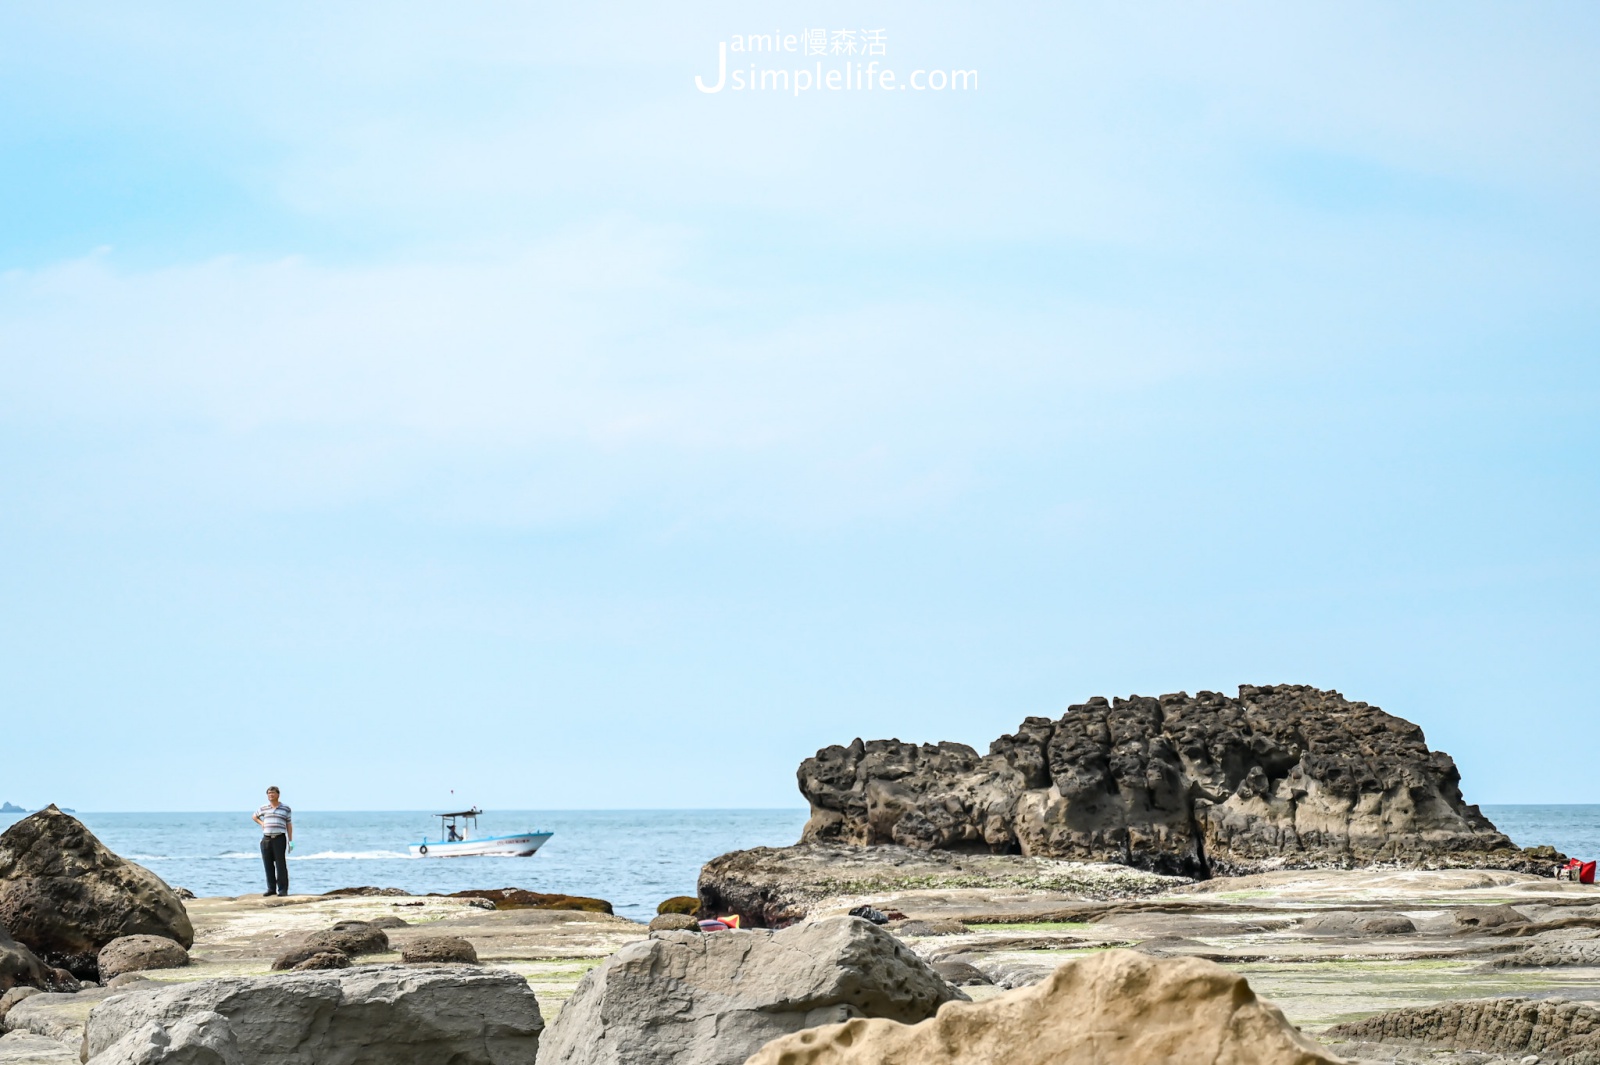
[{"x": 519, "y": 846}]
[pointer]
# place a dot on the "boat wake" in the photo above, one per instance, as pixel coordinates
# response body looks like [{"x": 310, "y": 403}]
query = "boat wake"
[{"x": 325, "y": 856}]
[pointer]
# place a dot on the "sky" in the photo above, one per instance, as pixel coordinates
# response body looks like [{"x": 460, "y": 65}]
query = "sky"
[{"x": 410, "y": 401}]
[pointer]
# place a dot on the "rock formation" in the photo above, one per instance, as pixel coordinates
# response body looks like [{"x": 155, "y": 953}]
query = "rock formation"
[
  {"x": 1554, "y": 1030},
  {"x": 1114, "y": 1008},
  {"x": 439, "y": 950},
  {"x": 65, "y": 895},
  {"x": 132, "y": 954},
  {"x": 1199, "y": 786},
  {"x": 518, "y": 899},
  {"x": 351, "y": 938},
  {"x": 392, "y": 1014},
  {"x": 682, "y": 998},
  {"x": 770, "y": 887}
]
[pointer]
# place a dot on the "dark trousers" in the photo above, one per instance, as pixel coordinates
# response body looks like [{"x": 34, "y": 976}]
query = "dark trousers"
[{"x": 275, "y": 856}]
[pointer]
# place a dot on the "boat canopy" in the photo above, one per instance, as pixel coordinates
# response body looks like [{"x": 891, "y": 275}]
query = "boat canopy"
[{"x": 474, "y": 812}]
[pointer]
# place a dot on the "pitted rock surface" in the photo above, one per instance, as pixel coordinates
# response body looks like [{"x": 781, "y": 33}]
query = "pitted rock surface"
[
  {"x": 1200, "y": 785},
  {"x": 1114, "y": 1008},
  {"x": 64, "y": 895}
]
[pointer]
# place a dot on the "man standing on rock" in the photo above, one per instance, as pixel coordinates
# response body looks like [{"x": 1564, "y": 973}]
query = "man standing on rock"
[{"x": 277, "y": 833}]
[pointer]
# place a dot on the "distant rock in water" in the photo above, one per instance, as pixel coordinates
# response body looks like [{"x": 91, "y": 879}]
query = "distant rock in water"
[
  {"x": 1282, "y": 776},
  {"x": 7, "y": 808}
]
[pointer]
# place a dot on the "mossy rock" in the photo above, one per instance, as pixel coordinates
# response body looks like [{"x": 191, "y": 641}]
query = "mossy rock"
[
  {"x": 686, "y": 904},
  {"x": 518, "y": 899}
]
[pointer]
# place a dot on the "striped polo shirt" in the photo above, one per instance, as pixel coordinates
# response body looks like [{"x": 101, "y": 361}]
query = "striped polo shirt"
[{"x": 274, "y": 819}]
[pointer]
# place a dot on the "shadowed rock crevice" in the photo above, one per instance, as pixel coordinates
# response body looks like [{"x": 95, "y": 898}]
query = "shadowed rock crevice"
[{"x": 1196, "y": 786}]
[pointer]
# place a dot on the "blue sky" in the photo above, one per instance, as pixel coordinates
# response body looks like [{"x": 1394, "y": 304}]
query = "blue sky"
[{"x": 404, "y": 397}]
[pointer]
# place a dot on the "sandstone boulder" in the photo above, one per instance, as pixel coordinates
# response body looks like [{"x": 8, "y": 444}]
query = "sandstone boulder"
[
  {"x": 352, "y": 938},
  {"x": 1114, "y": 1008},
  {"x": 132, "y": 954},
  {"x": 19, "y": 966},
  {"x": 680, "y": 998},
  {"x": 673, "y": 922},
  {"x": 65, "y": 896},
  {"x": 961, "y": 973},
  {"x": 684, "y": 904},
  {"x": 1482, "y": 918},
  {"x": 295, "y": 955},
  {"x": 1353, "y": 925},
  {"x": 438, "y": 950},
  {"x": 390, "y": 1014},
  {"x": 320, "y": 961},
  {"x": 1206, "y": 785}
]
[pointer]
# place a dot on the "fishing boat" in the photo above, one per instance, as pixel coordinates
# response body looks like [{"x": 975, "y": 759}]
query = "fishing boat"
[{"x": 458, "y": 838}]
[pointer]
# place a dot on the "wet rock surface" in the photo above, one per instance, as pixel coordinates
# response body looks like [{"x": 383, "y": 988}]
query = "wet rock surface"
[
  {"x": 64, "y": 895},
  {"x": 1193, "y": 785},
  {"x": 681, "y": 998},
  {"x": 1115, "y": 1008}
]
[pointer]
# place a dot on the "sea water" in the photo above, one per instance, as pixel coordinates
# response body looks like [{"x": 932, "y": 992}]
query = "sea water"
[{"x": 634, "y": 858}]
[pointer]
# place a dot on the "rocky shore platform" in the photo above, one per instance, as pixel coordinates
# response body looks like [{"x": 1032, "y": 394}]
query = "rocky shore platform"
[
  {"x": 875, "y": 942},
  {"x": 1451, "y": 966}
]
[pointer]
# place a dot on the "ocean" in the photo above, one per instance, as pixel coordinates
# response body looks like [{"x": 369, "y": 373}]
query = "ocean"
[{"x": 633, "y": 858}]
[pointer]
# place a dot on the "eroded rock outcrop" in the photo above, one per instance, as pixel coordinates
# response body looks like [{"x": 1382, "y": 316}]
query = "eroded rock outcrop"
[
  {"x": 1553, "y": 1029},
  {"x": 1114, "y": 1008},
  {"x": 393, "y": 1014},
  {"x": 1194, "y": 785},
  {"x": 771, "y": 887},
  {"x": 682, "y": 998},
  {"x": 64, "y": 895}
]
